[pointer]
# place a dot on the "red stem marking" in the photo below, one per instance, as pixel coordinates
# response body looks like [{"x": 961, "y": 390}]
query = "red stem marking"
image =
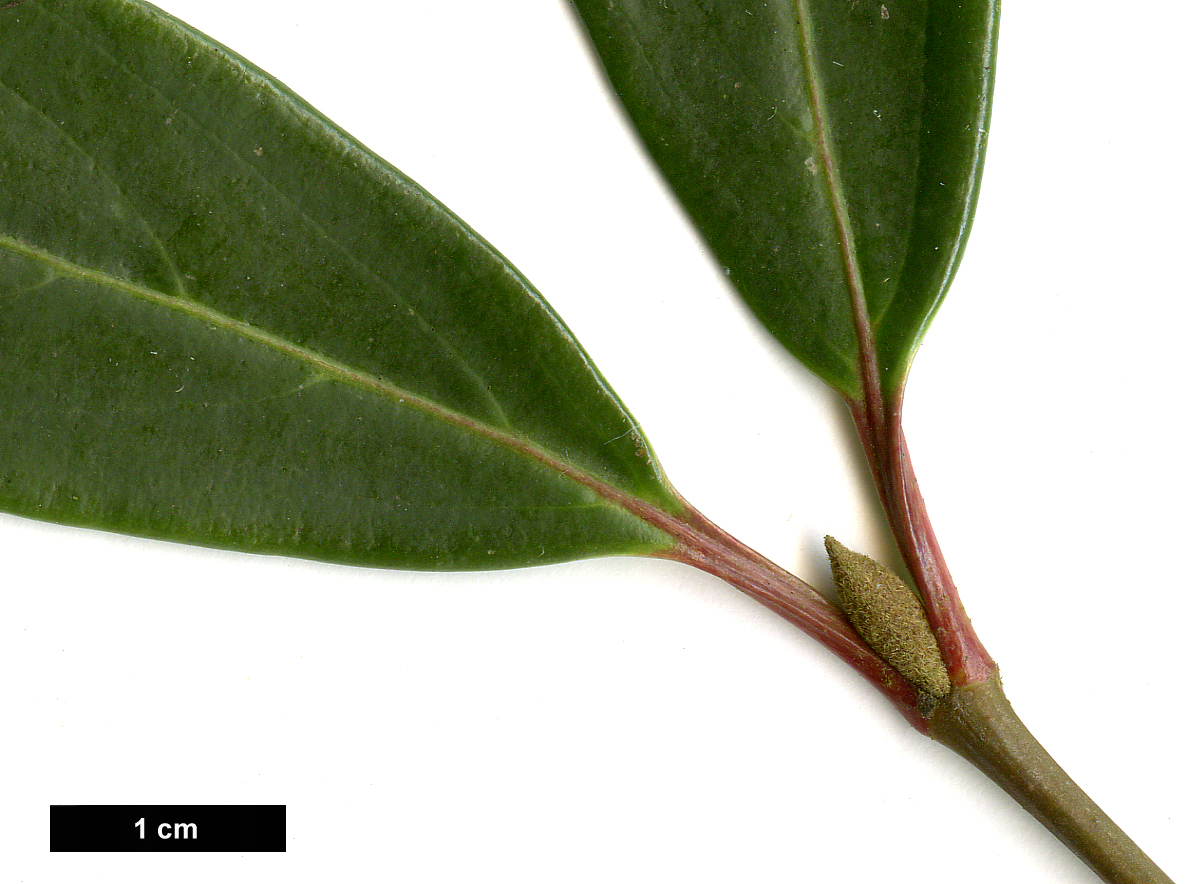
[{"x": 966, "y": 659}]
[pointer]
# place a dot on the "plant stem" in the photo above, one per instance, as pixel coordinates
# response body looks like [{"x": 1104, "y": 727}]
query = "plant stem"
[
  {"x": 974, "y": 719},
  {"x": 882, "y": 435},
  {"x": 978, "y": 723},
  {"x": 706, "y": 546}
]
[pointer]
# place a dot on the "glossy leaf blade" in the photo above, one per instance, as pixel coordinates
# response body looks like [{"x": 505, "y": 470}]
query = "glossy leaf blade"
[
  {"x": 828, "y": 151},
  {"x": 226, "y": 322}
]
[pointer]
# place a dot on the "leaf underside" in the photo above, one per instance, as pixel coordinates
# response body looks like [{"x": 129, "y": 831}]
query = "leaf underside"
[
  {"x": 226, "y": 322},
  {"x": 828, "y": 150}
]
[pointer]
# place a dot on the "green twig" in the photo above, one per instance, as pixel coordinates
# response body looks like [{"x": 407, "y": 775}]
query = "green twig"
[{"x": 978, "y": 723}]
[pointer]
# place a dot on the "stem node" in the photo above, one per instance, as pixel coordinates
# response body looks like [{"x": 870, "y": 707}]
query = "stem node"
[{"x": 978, "y": 722}]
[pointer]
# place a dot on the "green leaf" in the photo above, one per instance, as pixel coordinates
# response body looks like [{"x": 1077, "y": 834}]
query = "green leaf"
[
  {"x": 828, "y": 150},
  {"x": 226, "y": 322}
]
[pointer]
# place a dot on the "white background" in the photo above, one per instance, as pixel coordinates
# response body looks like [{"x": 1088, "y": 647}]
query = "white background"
[{"x": 636, "y": 721}]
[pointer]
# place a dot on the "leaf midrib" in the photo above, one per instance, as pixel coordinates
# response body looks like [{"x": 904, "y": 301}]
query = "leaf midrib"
[
  {"x": 848, "y": 249},
  {"x": 333, "y": 369},
  {"x": 302, "y": 112}
]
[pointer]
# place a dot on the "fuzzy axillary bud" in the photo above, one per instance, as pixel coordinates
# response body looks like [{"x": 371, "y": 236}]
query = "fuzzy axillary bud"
[{"x": 889, "y": 617}]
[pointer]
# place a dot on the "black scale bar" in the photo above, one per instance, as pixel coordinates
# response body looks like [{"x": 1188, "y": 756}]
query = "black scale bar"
[{"x": 167, "y": 828}]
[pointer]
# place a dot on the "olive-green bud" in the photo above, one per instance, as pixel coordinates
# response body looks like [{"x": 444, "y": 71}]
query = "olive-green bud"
[{"x": 889, "y": 617}]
